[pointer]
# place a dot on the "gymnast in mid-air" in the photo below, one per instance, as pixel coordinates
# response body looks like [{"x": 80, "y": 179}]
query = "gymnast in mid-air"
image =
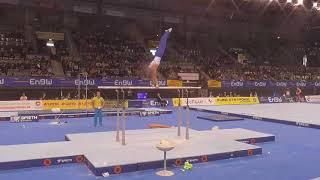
[{"x": 153, "y": 66}]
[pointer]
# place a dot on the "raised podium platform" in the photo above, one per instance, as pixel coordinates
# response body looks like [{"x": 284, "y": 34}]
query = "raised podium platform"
[{"x": 103, "y": 154}]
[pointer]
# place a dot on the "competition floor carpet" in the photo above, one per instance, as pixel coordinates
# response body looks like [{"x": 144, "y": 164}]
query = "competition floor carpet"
[{"x": 292, "y": 156}]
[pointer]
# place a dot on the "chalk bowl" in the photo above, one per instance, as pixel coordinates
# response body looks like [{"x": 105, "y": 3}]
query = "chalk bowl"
[{"x": 165, "y": 146}]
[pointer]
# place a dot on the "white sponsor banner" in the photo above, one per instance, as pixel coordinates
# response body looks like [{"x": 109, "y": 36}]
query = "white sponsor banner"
[
  {"x": 189, "y": 76},
  {"x": 84, "y": 9},
  {"x": 313, "y": 99},
  {"x": 113, "y": 13},
  {"x": 17, "y": 119},
  {"x": 20, "y": 105},
  {"x": 149, "y": 113},
  {"x": 193, "y": 101},
  {"x": 8, "y": 114}
]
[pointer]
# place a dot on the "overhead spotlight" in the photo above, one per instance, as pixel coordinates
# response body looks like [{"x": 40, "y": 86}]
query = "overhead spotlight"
[
  {"x": 289, "y": 1},
  {"x": 300, "y": 2}
]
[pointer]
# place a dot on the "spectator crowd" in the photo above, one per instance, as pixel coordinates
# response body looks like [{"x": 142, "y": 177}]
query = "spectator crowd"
[
  {"x": 106, "y": 54},
  {"x": 110, "y": 54},
  {"x": 14, "y": 58}
]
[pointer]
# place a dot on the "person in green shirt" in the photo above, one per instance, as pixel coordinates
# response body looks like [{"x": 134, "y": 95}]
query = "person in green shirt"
[{"x": 97, "y": 103}]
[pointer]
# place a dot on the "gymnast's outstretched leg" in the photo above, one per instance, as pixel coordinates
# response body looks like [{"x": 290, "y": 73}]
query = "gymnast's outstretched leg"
[{"x": 153, "y": 67}]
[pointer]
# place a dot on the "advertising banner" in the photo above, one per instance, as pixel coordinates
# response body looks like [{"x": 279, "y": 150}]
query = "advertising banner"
[
  {"x": 113, "y": 104},
  {"x": 136, "y": 103},
  {"x": 67, "y": 104},
  {"x": 30, "y": 118},
  {"x": 215, "y": 101},
  {"x": 22, "y": 82},
  {"x": 267, "y": 84},
  {"x": 175, "y": 83},
  {"x": 189, "y": 76},
  {"x": 236, "y": 100},
  {"x": 8, "y": 114},
  {"x": 20, "y": 105},
  {"x": 50, "y": 35},
  {"x": 115, "y": 13},
  {"x": 214, "y": 84},
  {"x": 149, "y": 113},
  {"x": 272, "y": 99},
  {"x": 15, "y": 106},
  {"x": 128, "y": 82},
  {"x": 37, "y": 82},
  {"x": 193, "y": 101},
  {"x": 78, "y": 104},
  {"x": 232, "y": 84},
  {"x": 155, "y": 103},
  {"x": 85, "y": 9},
  {"x": 313, "y": 99}
]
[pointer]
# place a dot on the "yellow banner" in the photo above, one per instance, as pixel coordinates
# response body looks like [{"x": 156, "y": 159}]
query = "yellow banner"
[
  {"x": 176, "y": 83},
  {"x": 77, "y": 104},
  {"x": 236, "y": 100},
  {"x": 67, "y": 104},
  {"x": 175, "y": 101},
  {"x": 214, "y": 83},
  {"x": 215, "y": 101}
]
